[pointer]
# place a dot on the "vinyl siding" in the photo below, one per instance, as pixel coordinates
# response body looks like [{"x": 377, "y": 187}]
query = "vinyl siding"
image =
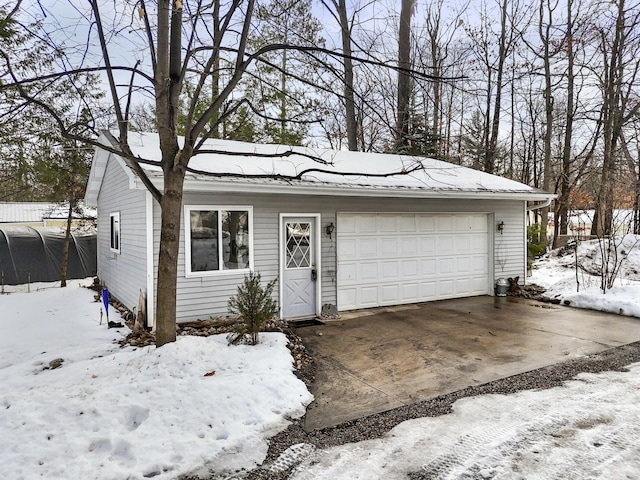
[
  {"x": 202, "y": 297},
  {"x": 124, "y": 273}
]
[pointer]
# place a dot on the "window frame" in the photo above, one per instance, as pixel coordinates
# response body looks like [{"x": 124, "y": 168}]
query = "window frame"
[
  {"x": 187, "y": 240},
  {"x": 115, "y": 227}
]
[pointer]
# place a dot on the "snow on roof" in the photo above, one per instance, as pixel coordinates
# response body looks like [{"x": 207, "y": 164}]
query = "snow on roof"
[
  {"x": 337, "y": 170},
  {"x": 29, "y": 212}
]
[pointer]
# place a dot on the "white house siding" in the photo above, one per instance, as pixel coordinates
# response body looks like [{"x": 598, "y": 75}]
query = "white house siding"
[
  {"x": 510, "y": 246},
  {"x": 124, "y": 273},
  {"x": 201, "y": 297}
]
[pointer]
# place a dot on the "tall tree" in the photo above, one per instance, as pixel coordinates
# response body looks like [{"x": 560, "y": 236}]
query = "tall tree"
[
  {"x": 286, "y": 105},
  {"x": 404, "y": 78},
  {"x": 505, "y": 45},
  {"x": 619, "y": 48},
  {"x": 338, "y": 9}
]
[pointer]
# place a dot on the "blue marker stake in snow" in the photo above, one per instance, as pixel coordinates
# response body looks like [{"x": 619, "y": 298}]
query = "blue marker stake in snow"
[{"x": 105, "y": 301}]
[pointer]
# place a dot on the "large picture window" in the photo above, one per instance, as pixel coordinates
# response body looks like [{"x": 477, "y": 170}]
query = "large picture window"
[
  {"x": 217, "y": 239},
  {"x": 114, "y": 229}
]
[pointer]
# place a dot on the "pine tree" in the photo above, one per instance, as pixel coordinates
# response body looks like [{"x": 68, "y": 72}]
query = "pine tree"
[
  {"x": 285, "y": 104},
  {"x": 255, "y": 307}
]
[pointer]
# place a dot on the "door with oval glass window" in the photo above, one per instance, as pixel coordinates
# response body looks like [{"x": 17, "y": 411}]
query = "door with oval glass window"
[{"x": 299, "y": 273}]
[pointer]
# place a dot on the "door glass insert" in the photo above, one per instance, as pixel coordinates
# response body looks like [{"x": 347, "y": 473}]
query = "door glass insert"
[{"x": 298, "y": 245}]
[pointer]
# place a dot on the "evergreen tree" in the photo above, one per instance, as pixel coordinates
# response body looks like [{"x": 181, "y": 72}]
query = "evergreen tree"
[
  {"x": 285, "y": 105},
  {"x": 254, "y": 305},
  {"x": 473, "y": 140}
]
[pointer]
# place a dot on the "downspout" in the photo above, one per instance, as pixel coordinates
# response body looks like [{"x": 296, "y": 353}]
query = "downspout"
[
  {"x": 530, "y": 208},
  {"x": 151, "y": 319}
]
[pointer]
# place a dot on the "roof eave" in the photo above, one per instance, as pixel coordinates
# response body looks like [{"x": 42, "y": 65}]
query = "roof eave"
[{"x": 311, "y": 188}]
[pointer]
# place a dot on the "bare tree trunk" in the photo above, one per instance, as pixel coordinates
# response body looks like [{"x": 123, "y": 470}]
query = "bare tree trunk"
[
  {"x": 545, "y": 37},
  {"x": 171, "y": 208},
  {"x": 349, "y": 97},
  {"x": 65, "y": 245},
  {"x": 404, "y": 79},
  {"x": 503, "y": 50},
  {"x": 214, "y": 123},
  {"x": 173, "y": 160},
  {"x": 612, "y": 89},
  {"x": 562, "y": 203}
]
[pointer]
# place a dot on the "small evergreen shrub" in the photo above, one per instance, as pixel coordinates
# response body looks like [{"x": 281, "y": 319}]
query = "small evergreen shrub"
[
  {"x": 254, "y": 305},
  {"x": 536, "y": 246}
]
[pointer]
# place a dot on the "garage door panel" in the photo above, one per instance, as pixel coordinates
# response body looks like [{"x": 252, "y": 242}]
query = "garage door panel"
[
  {"x": 479, "y": 264},
  {"x": 390, "y": 294},
  {"x": 462, "y": 286},
  {"x": 463, "y": 266},
  {"x": 426, "y": 224},
  {"x": 409, "y": 293},
  {"x": 389, "y": 270},
  {"x": 347, "y": 298},
  {"x": 428, "y": 290},
  {"x": 478, "y": 285},
  {"x": 444, "y": 223},
  {"x": 369, "y": 296},
  {"x": 368, "y": 271},
  {"x": 347, "y": 224},
  {"x": 347, "y": 274},
  {"x": 367, "y": 248},
  {"x": 409, "y": 269},
  {"x": 427, "y": 247},
  {"x": 388, "y": 259},
  {"x": 347, "y": 248},
  {"x": 446, "y": 266},
  {"x": 408, "y": 246},
  {"x": 445, "y": 244},
  {"x": 463, "y": 244},
  {"x": 478, "y": 223},
  {"x": 428, "y": 267},
  {"x": 461, "y": 223},
  {"x": 366, "y": 224},
  {"x": 407, "y": 224},
  {"x": 445, "y": 289},
  {"x": 387, "y": 224},
  {"x": 389, "y": 247}
]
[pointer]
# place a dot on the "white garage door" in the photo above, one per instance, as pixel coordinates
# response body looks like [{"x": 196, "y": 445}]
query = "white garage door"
[{"x": 391, "y": 259}]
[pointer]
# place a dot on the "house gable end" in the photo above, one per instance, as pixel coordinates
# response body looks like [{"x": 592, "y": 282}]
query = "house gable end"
[{"x": 99, "y": 164}]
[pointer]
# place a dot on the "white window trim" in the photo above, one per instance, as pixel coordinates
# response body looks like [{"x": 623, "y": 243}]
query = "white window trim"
[
  {"x": 187, "y": 240},
  {"x": 116, "y": 216}
]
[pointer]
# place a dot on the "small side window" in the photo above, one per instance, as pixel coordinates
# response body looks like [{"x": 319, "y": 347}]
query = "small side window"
[{"x": 115, "y": 232}]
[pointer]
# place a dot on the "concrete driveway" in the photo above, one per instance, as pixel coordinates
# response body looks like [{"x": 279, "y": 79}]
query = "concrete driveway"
[{"x": 375, "y": 360}]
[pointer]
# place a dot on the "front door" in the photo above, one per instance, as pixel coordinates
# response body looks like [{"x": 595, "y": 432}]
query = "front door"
[{"x": 299, "y": 273}]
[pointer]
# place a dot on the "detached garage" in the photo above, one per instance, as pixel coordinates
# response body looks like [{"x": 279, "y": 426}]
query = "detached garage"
[{"x": 335, "y": 228}]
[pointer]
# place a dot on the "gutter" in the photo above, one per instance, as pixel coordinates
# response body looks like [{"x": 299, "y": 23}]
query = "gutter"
[
  {"x": 312, "y": 188},
  {"x": 541, "y": 204}
]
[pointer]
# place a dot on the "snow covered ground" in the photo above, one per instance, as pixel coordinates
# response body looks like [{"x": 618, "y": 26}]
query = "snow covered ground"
[
  {"x": 586, "y": 429},
  {"x": 557, "y": 272},
  {"x": 112, "y": 413},
  {"x": 123, "y": 413}
]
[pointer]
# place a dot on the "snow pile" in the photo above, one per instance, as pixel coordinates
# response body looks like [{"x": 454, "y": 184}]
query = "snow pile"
[
  {"x": 196, "y": 404},
  {"x": 556, "y": 271},
  {"x": 588, "y": 428}
]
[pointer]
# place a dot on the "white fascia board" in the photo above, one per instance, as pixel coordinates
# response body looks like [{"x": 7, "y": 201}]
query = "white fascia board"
[
  {"x": 309, "y": 188},
  {"x": 358, "y": 191},
  {"x": 96, "y": 175}
]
